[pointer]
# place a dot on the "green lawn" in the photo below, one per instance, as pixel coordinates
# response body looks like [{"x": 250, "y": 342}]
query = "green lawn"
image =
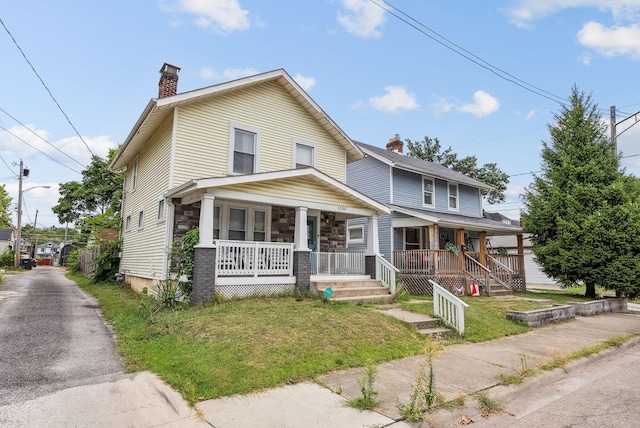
[{"x": 236, "y": 347}]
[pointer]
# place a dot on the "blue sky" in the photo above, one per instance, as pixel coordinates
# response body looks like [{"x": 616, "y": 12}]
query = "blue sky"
[{"x": 374, "y": 74}]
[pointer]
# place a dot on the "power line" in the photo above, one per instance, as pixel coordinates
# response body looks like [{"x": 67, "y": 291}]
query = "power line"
[
  {"x": 45, "y": 86},
  {"x": 467, "y": 55},
  {"x": 42, "y": 138},
  {"x": 500, "y": 138},
  {"x": 38, "y": 150}
]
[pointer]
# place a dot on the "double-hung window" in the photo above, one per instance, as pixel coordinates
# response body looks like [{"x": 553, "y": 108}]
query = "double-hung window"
[
  {"x": 134, "y": 175},
  {"x": 453, "y": 197},
  {"x": 237, "y": 224},
  {"x": 304, "y": 154},
  {"x": 244, "y": 149},
  {"x": 428, "y": 192}
]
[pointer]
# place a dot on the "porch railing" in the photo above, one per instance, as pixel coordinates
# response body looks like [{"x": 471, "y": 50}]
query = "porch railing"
[
  {"x": 339, "y": 263},
  {"x": 386, "y": 273},
  {"x": 447, "y": 307},
  {"x": 515, "y": 262},
  {"x": 242, "y": 258},
  {"x": 428, "y": 262},
  {"x": 478, "y": 272},
  {"x": 502, "y": 273}
]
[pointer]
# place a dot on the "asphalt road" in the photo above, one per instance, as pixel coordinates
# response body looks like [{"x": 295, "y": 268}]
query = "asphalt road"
[{"x": 52, "y": 337}]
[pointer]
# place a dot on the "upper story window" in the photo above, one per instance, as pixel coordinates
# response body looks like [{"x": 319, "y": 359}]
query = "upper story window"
[
  {"x": 134, "y": 175},
  {"x": 161, "y": 215},
  {"x": 244, "y": 149},
  {"x": 127, "y": 223},
  {"x": 453, "y": 197},
  {"x": 428, "y": 192},
  {"x": 141, "y": 219},
  {"x": 304, "y": 154}
]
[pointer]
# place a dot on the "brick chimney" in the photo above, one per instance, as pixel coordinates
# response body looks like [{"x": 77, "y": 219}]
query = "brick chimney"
[
  {"x": 395, "y": 144},
  {"x": 168, "y": 84}
]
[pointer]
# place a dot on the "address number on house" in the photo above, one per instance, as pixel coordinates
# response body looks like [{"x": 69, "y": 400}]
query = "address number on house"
[{"x": 340, "y": 208}]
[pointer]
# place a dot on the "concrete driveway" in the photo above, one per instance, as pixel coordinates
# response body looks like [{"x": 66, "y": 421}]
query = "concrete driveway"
[{"x": 59, "y": 366}]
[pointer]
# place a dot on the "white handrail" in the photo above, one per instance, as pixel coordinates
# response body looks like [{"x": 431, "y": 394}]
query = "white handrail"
[
  {"x": 447, "y": 307},
  {"x": 386, "y": 273}
]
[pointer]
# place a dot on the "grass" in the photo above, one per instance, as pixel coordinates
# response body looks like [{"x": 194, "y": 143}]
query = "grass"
[
  {"x": 236, "y": 347},
  {"x": 241, "y": 346}
]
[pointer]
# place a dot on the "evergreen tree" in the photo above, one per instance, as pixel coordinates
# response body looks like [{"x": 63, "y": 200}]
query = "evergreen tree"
[
  {"x": 582, "y": 212},
  {"x": 5, "y": 208}
]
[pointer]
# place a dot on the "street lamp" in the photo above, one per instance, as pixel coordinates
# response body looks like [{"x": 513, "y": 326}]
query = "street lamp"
[{"x": 19, "y": 228}]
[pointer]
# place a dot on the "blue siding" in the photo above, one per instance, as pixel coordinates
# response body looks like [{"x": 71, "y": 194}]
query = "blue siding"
[
  {"x": 371, "y": 177},
  {"x": 407, "y": 192}
]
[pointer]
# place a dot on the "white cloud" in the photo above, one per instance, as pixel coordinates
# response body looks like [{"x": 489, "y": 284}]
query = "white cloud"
[
  {"x": 228, "y": 74},
  {"x": 305, "y": 83},
  {"x": 585, "y": 58},
  {"x": 442, "y": 105},
  {"x": 396, "y": 98},
  {"x": 483, "y": 105},
  {"x": 70, "y": 151},
  {"x": 362, "y": 18},
  {"x": 221, "y": 16},
  {"x": 526, "y": 11},
  {"x": 614, "y": 41},
  {"x": 530, "y": 115}
]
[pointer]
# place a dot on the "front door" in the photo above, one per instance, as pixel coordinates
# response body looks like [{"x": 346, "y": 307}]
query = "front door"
[{"x": 312, "y": 233}]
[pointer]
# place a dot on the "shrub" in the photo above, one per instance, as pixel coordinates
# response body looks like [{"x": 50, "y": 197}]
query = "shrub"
[
  {"x": 7, "y": 259},
  {"x": 107, "y": 262},
  {"x": 73, "y": 261}
]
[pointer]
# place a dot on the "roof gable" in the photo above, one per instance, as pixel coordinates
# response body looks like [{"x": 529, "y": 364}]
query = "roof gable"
[
  {"x": 158, "y": 110},
  {"x": 419, "y": 166}
]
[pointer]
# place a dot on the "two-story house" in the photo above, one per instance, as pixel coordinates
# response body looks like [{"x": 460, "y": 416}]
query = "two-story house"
[
  {"x": 436, "y": 228},
  {"x": 260, "y": 168}
]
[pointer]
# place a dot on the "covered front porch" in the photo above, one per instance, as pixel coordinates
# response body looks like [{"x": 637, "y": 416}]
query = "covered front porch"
[
  {"x": 256, "y": 241},
  {"x": 455, "y": 255}
]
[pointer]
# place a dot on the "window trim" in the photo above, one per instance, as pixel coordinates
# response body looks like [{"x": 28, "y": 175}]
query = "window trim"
[
  {"x": 314, "y": 154},
  {"x": 457, "y": 196},
  {"x": 355, "y": 241},
  {"x": 433, "y": 192},
  {"x": 161, "y": 213},
  {"x": 141, "y": 219},
  {"x": 250, "y": 209},
  {"x": 233, "y": 126},
  {"x": 127, "y": 223},
  {"x": 134, "y": 175}
]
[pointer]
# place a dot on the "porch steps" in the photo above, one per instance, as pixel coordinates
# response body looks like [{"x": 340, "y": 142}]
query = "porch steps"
[
  {"x": 353, "y": 290},
  {"x": 498, "y": 289},
  {"x": 425, "y": 324}
]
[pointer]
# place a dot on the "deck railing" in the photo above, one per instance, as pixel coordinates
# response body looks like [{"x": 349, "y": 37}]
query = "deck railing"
[
  {"x": 386, "y": 273},
  {"x": 245, "y": 258},
  {"x": 339, "y": 263},
  {"x": 447, "y": 307}
]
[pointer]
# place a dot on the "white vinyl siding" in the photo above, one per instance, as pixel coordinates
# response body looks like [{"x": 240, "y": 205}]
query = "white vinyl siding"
[{"x": 202, "y": 140}]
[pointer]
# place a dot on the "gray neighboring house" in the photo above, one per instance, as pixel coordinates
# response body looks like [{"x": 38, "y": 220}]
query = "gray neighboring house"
[
  {"x": 432, "y": 208},
  {"x": 7, "y": 237}
]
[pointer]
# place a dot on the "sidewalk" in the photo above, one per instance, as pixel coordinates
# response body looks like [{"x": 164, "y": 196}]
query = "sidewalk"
[{"x": 459, "y": 370}]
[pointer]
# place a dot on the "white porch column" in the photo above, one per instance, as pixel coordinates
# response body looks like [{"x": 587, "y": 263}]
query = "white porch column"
[
  {"x": 206, "y": 219},
  {"x": 373, "y": 245},
  {"x": 300, "y": 236}
]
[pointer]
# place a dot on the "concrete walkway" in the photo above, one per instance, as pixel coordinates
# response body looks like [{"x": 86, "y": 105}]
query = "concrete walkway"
[{"x": 459, "y": 370}]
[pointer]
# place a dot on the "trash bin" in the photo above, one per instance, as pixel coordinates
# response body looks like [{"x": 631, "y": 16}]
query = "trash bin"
[{"x": 26, "y": 264}]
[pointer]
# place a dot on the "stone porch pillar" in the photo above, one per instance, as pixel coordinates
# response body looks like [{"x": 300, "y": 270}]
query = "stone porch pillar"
[{"x": 301, "y": 252}]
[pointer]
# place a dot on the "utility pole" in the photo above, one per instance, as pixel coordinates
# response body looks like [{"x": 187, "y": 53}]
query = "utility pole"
[
  {"x": 612, "y": 127},
  {"x": 35, "y": 235},
  {"x": 18, "y": 244}
]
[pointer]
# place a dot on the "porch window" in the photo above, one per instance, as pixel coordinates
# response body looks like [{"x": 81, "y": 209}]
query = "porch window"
[
  {"x": 216, "y": 222},
  {"x": 237, "y": 224},
  {"x": 453, "y": 197},
  {"x": 304, "y": 154},
  {"x": 259, "y": 226},
  {"x": 412, "y": 238},
  {"x": 356, "y": 234},
  {"x": 428, "y": 192}
]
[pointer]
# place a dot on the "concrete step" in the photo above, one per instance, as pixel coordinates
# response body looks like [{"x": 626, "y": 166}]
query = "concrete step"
[
  {"x": 357, "y": 291},
  {"x": 377, "y": 299},
  {"x": 501, "y": 292},
  {"x": 337, "y": 283},
  {"x": 425, "y": 324}
]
